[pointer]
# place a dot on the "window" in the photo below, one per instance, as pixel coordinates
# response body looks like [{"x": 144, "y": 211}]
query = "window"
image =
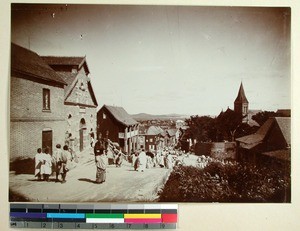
[
  {"x": 104, "y": 116},
  {"x": 151, "y": 140},
  {"x": 46, "y": 99}
]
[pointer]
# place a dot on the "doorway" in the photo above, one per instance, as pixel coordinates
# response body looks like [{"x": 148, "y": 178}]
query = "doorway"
[
  {"x": 47, "y": 140},
  {"x": 82, "y": 134}
]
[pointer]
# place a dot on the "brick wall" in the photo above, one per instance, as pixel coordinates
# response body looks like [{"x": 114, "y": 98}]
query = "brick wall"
[
  {"x": 26, "y": 137},
  {"x": 28, "y": 120},
  {"x": 27, "y": 100}
]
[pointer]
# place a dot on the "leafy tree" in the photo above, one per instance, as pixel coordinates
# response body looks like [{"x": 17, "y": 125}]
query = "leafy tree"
[
  {"x": 229, "y": 122},
  {"x": 201, "y": 128},
  {"x": 263, "y": 116}
]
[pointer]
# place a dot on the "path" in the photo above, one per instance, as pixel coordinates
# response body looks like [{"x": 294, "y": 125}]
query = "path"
[{"x": 122, "y": 185}]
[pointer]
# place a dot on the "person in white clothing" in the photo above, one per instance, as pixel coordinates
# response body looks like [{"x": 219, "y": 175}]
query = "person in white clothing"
[
  {"x": 38, "y": 163},
  {"x": 46, "y": 168},
  {"x": 142, "y": 161}
]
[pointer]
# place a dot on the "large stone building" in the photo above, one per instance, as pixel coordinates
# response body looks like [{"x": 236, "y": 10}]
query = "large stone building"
[
  {"x": 52, "y": 101},
  {"x": 37, "y": 113},
  {"x": 80, "y": 108}
]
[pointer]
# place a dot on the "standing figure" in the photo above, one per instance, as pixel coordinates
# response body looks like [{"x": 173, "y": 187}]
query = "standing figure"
[
  {"x": 142, "y": 161},
  {"x": 100, "y": 160},
  {"x": 46, "y": 167},
  {"x": 168, "y": 161},
  {"x": 119, "y": 159},
  {"x": 65, "y": 160},
  {"x": 57, "y": 161},
  {"x": 38, "y": 163}
]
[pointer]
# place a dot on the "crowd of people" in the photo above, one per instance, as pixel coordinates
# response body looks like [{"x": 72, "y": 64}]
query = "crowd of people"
[
  {"x": 60, "y": 162},
  {"x": 108, "y": 153}
]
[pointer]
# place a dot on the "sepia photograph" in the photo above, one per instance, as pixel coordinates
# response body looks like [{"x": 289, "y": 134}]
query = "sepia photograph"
[{"x": 149, "y": 103}]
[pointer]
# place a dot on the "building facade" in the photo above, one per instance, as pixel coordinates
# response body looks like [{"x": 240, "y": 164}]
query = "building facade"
[
  {"x": 80, "y": 104},
  {"x": 36, "y": 104},
  {"x": 117, "y": 125}
]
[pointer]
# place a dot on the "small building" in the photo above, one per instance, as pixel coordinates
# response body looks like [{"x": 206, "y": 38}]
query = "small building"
[
  {"x": 154, "y": 138},
  {"x": 170, "y": 138},
  {"x": 117, "y": 125},
  {"x": 80, "y": 104},
  {"x": 273, "y": 139},
  {"x": 37, "y": 114}
]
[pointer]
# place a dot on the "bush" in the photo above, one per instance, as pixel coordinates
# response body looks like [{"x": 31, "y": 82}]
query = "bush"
[{"x": 230, "y": 182}]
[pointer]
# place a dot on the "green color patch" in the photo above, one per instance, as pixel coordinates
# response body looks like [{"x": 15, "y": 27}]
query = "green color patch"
[{"x": 104, "y": 215}]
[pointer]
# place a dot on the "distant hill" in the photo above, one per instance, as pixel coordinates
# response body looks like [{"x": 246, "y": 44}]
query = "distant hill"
[{"x": 145, "y": 116}]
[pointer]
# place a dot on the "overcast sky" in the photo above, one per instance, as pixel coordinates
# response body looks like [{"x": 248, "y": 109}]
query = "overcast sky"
[{"x": 168, "y": 59}]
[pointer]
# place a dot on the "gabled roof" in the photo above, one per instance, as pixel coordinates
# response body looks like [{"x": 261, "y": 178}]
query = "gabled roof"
[
  {"x": 241, "y": 97},
  {"x": 284, "y": 112},
  {"x": 284, "y": 124},
  {"x": 154, "y": 130},
  {"x": 78, "y": 61},
  {"x": 30, "y": 63},
  {"x": 120, "y": 115},
  {"x": 172, "y": 132},
  {"x": 69, "y": 77}
]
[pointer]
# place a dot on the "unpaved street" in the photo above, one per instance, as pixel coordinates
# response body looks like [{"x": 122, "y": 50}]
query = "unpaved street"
[{"x": 122, "y": 185}]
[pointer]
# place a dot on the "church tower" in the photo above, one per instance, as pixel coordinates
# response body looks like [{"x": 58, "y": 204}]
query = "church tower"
[{"x": 241, "y": 103}]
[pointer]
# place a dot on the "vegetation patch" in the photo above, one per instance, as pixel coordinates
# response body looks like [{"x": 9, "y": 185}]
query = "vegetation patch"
[{"x": 227, "y": 182}]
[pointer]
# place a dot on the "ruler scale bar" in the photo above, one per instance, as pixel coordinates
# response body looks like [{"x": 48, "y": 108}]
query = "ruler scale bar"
[{"x": 93, "y": 216}]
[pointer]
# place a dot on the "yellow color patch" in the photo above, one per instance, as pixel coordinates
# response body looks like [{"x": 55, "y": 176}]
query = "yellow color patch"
[{"x": 145, "y": 216}]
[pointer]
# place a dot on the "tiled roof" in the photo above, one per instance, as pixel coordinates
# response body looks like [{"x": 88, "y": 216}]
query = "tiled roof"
[
  {"x": 30, "y": 63},
  {"x": 259, "y": 136},
  {"x": 121, "y": 115},
  {"x": 284, "y": 124},
  {"x": 62, "y": 60},
  {"x": 154, "y": 130},
  {"x": 68, "y": 77}
]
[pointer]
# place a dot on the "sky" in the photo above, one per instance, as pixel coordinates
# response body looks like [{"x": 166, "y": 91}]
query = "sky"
[{"x": 168, "y": 59}]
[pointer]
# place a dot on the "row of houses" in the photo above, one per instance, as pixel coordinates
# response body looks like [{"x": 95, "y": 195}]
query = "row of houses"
[{"x": 52, "y": 101}]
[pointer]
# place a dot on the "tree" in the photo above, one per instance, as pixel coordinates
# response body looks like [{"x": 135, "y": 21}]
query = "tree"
[
  {"x": 229, "y": 122},
  {"x": 201, "y": 128},
  {"x": 263, "y": 116}
]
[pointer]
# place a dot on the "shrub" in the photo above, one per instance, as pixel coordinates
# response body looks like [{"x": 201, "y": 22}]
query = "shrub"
[{"x": 230, "y": 182}]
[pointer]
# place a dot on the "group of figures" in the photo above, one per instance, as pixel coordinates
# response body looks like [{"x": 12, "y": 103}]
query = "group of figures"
[
  {"x": 140, "y": 160},
  {"x": 59, "y": 162}
]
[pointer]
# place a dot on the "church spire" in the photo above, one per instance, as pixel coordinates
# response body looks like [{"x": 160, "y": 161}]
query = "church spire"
[
  {"x": 241, "y": 97},
  {"x": 241, "y": 103}
]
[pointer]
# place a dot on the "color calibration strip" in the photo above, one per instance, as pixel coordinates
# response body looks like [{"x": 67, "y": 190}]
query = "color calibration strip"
[{"x": 93, "y": 216}]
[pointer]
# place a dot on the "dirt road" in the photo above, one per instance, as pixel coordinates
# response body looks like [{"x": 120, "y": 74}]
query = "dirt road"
[{"x": 122, "y": 185}]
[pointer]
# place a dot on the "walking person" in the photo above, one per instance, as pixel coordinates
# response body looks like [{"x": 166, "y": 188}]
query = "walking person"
[
  {"x": 46, "y": 167},
  {"x": 100, "y": 160},
  {"x": 57, "y": 161},
  {"x": 38, "y": 163}
]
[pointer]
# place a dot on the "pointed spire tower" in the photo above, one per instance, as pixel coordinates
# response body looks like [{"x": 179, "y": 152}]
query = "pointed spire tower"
[{"x": 241, "y": 103}]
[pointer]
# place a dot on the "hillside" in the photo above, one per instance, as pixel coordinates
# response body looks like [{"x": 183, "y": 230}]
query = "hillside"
[{"x": 145, "y": 116}]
